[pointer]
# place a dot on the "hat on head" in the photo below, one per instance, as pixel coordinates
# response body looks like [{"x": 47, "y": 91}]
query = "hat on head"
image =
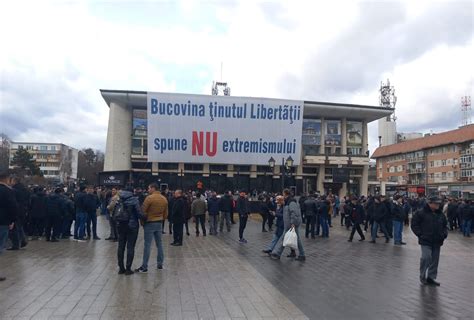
[{"x": 434, "y": 199}]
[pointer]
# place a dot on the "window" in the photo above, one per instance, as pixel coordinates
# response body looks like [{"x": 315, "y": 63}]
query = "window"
[
  {"x": 219, "y": 167},
  {"x": 432, "y": 164},
  {"x": 443, "y": 163},
  {"x": 53, "y": 148},
  {"x": 354, "y": 151},
  {"x": 392, "y": 169},
  {"x": 431, "y": 176},
  {"x": 43, "y": 148},
  {"x": 193, "y": 166},
  {"x": 167, "y": 166},
  {"x": 443, "y": 175}
]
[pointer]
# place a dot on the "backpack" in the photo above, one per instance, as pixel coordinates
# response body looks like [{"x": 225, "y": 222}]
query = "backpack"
[{"x": 121, "y": 212}]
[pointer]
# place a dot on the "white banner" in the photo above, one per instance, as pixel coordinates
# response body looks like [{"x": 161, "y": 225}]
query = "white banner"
[{"x": 222, "y": 129}]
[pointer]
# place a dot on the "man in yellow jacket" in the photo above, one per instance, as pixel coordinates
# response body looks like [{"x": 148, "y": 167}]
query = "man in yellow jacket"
[{"x": 155, "y": 208}]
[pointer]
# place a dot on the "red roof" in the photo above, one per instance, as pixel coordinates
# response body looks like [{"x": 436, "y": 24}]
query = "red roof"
[{"x": 460, "y": 135}]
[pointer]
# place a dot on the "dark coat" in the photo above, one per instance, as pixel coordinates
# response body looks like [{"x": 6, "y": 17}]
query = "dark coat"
[
  {"x": 213, "y": 206},
  {"x": 226, "y": 203},
  {"x": 38, "y": 205},
  {"x": 91, "y": 203},
  {"x": 379, "y": 212},
  {"x": 79, "y": 201},
  {"x": 309, "y": 207},
  {"x": 8, "y": 206},
  {"x": 134, "y": 207},
  {"x": 56, "y": 206},
  {"x": 452, "y": 210},
  {"x": 22, "y": 195},
  {"x": 430, "y": 227},
  {"x": 464, "y": 211},
  {"x": 242, "y": 207},
  {"x": 398, "y": 213},
  {"x": 357, "y": 213},
  {"x": 178, "y": 212},
  {"x": 324, "y": 209}
]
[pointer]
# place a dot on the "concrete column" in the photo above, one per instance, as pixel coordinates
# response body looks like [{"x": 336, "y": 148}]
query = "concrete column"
[
  {"x": 253, "y": 171},
  {"x": 320, "y": 179},
  {"x": 230, "y": 171},
  {"x": 383, "y": 184},
  {"x": 365, "y": 138},
  {"x": 364, "y": 181},
  {"x": 323, "y": 125},
  {"x": 118, "y": 149},
  {"x": 344, "y": 136},
  {"x": 205, "y": 170}
]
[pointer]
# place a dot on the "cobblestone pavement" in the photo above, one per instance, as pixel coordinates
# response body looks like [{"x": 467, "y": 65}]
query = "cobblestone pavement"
[{"x": 218, "y": 278}]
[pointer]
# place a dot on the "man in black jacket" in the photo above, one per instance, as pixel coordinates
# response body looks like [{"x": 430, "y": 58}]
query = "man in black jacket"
[
  {"x": 178, "y": 217},
  {"x": 91, "y": 202},
  {"x": 8, "y": 210},
  {"x": 310, "y": 209},
  {"x": 225, "y": 207},
  {"x": 357, "y": 216},
  {"x": 56, "y": 210},
  {"x": 22, "y": 195},
  {"x": 430, "y": 226},
  {"x": 243, "y": 209},
  {"x": 379, "y": 212}
]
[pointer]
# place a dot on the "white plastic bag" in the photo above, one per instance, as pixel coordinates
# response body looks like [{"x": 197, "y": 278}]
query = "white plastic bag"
[{"x": 291, "y": 239}]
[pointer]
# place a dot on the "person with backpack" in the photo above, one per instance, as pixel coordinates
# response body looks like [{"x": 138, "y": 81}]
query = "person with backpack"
[
  {"x": 291, "y": 219},
  {"x": 127, "y": 213}
]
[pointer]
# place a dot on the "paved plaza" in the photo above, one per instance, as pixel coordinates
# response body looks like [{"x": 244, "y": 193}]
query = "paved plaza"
[{"x": 218, "y": 278}]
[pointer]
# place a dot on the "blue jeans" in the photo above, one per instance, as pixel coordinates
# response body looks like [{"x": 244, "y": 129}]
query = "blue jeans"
[
  {"x": 467, "y": 227},
  {"x": 3, "y": 237},
  {"x": 80, "y": 225},
  {"x": 324, "y": 226},
  {"x": 278, "y": 250},
  {"x": 397, "y": 231},
  {"x": 152, "y": 230},
  {"x": 276, "y": 236},
  {"x": 375, "y": 229}
]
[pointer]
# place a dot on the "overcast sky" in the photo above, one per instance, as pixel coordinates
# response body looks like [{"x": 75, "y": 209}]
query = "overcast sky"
[{"x": 55, "y": 56}]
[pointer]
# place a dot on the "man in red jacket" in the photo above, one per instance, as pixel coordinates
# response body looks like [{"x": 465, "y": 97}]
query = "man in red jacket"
[{"x": 8, "y": 210}]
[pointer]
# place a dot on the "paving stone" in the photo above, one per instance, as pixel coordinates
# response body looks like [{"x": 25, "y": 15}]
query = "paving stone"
[{"x": 215, "y": 277}]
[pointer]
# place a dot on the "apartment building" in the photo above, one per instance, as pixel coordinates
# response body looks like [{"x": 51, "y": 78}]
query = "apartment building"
[
  {"x": 436, "y": 164},
  {"x": 56, "y": 160}
]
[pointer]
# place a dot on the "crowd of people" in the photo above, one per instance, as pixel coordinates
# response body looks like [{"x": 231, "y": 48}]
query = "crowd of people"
[{"x": 35, "y": 213}]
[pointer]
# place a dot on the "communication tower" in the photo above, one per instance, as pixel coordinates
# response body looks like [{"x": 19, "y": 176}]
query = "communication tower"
[
  {"x": 388, "y": 125},
  {"x": 466, "y": 110},
  {"x": 216, "y": 85}
]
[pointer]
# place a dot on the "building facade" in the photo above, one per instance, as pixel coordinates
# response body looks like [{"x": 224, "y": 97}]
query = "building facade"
[
  {"x": 334, "y": 137},
  {"x": 55, "y": 160},
  {"x": 437, "y": 164}
]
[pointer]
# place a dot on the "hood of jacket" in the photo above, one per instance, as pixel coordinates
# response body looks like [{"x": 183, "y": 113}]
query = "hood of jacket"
[{"x": 128, "y": 198}]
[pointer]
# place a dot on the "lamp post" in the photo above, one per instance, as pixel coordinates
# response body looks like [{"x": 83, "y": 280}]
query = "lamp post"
[
  {"x": 285, "y": 165},
  {"x": 182, "y": 174}
]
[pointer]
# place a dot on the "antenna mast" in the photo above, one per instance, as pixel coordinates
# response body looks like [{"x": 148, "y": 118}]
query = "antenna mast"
[
  {"x": 216, "y": 85},
  {"x": 466, "y": 110}
]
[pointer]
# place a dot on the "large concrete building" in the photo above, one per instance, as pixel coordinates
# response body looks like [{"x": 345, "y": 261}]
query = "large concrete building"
[
  {"x": 56, "y": 161},
  {"x": 334, "y": 137},
  {"x": 437, "y": 164}
]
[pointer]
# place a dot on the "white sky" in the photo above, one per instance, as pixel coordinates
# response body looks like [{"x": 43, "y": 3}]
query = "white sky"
[{"x": 56, "y": 55}]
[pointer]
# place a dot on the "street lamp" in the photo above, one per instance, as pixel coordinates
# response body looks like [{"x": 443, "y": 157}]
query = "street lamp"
[{"x": 285, "y": 166}]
